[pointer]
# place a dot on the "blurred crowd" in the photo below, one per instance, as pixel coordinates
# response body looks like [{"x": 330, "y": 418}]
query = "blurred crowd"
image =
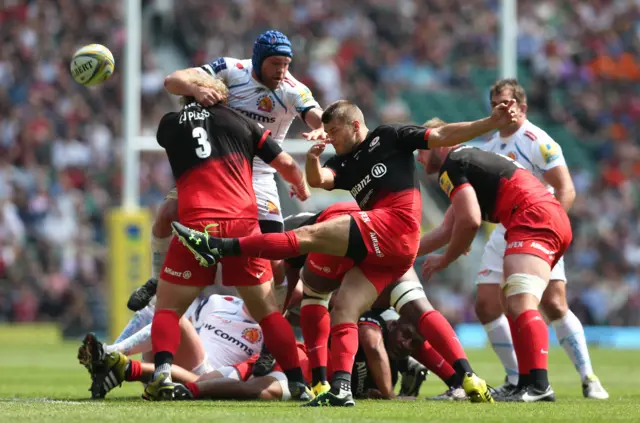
[{"x": 60, "y": 146}]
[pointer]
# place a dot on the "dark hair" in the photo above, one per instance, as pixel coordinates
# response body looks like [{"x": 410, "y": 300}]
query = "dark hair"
[{"x": 509, "y": 84}]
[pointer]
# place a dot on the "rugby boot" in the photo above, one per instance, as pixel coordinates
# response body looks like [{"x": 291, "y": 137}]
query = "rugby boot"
[
  {"x": 504, "y": 391},
  {"x": 592, "y": 388},
  {"x": 532, "y": 394},
  {"x": 181, "y": 392},
  {"x": 476, "y": 388},
  {"x": 329, "y": 399},
  {"x": 300, "y": 391},
  {"x": 320, "y": 387},
  {"x": 264, "y": 364},
  {"x": 141, "y": 297},
  {"x": 206, "y": 249},
  {"x": 108, "y": 374},
  {"x": 412, "y": 380},
  {"x": 161, "y": 388},
  {"x": 451, "y": 394}
]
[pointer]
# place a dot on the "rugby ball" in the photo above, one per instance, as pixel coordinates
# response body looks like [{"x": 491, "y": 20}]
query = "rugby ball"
[{"x": 92, "y": 65}]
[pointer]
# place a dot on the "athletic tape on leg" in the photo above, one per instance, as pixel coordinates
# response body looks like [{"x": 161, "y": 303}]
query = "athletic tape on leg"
[
  {"x": 309, "y": 297},
  {"x": 523, "y": 283},
  {"x": 405, "y": 292}
]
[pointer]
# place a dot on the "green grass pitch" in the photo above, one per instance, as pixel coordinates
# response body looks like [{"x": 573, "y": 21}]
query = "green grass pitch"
[{"x": 44, "y": 383}]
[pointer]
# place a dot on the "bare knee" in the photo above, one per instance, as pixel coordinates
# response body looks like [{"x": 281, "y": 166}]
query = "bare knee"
[
  {"x": 554, "y": 301},
  {"x": 167, "y": 213},
  {"x": 271, "y": 393},
  {"x": 488, "y": 306}
]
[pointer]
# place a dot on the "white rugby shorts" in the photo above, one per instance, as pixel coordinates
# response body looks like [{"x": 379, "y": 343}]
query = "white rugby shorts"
[{"x": 264, "y": 184}]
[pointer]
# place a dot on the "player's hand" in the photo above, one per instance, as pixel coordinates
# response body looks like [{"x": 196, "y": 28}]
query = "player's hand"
[
  {"x": 505, "y": 113},
  {"x": 317, "y": 149},
  {"x": 207, "y": 96},
  {"x": 301, "y": 192},
  {"x": 433, "y": 264},
  {"x": 315, "y": 135}
]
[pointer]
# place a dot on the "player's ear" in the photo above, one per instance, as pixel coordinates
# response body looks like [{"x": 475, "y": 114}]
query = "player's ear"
[
  {"x": 524, "y": 108},
  {"x": 356, "y": 125}
]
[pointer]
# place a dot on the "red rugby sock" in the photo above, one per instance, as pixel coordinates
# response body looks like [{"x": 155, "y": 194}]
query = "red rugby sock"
[
  {"x": 533, "y": 335},
  {"x": 344, "y": 346},
  {"x": 429, "y": 357},
  {"x": 165, "y": 332},
  {"x": 521, "y": 355},
  {"x": 316, "y": 326},
  {"x": 274, "y": 246},
  {"x": 280, "y": 340},
  {"x": 134, "y": 371},
  {"x": 193, "y": 387},
  {"x": 436, "y": 329}
]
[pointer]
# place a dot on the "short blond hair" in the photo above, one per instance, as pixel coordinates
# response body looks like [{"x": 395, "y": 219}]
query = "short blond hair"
[
  {"x": 434, "y": 123},
  {"x": 207, "y": 81},
  {"x": 343, "y": 111}
]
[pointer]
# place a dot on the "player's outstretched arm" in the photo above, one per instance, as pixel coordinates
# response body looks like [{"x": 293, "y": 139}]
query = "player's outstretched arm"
[
  {"x": 183, "y": 83},
  {"x": 313, "y": 119},
  {"x": 318, "y": 176},
  {"x": 455, "y": 133},
  {"x": 370, "y": 339},
  {"x": 439, "y": 237},
  {"x": 290, "y": 172}
]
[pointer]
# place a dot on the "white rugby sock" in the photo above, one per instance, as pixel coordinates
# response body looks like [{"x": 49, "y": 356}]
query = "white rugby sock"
[
  {"x": 137, "y": 343},
  {"x": 570, "y": 334},
  {"x": 499, "y": 335},
  {"x": 139, "y": 320},
  {"x": 159, "y": 248}
]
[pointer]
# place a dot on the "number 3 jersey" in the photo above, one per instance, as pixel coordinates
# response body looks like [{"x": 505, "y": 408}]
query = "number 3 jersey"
[
  {"x": 501, "y": 184},
  {"x": 228, "y": 333},
  {"x": 211, "y": 152},
  {"x": 275, "y": 109}
]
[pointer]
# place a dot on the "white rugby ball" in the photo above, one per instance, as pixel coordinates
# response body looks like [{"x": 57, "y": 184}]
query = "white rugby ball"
[{"x": 92, "y": 65}]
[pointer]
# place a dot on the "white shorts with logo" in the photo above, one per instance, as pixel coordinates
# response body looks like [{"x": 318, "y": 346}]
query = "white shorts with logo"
[
  {"x": 264, "y": 184},
  {"x": 491, "y": 266}
]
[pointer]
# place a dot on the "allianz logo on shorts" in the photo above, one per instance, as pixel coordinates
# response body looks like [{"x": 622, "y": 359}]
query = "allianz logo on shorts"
[
  {"x": 541, "y": 248},
  {"x": 325, "y": 269},
  {"x": 376, "y": 247},
  {"x": 184, "y": 275}
]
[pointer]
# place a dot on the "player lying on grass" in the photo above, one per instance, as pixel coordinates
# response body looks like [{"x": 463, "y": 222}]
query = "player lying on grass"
[
  {"x": 495, "y": 188},
  {"x": 216, "y": 332},
  {"x": 384, "y": 352},
  {"x": 321, "y": 275}
]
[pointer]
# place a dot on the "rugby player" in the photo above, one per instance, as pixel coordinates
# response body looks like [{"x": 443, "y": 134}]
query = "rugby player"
[
  {"x": 378, "y": 168},
  {"x": 534, "y": 149},
  {"x": 225, "y": 334},
  {"x": 321, "y": 274},
  {"x": 375, "y": 367},
  {"x": 210, "y": 151},
  {"x": 263, "y": 89},
  {"x": 495, "y": 188}
]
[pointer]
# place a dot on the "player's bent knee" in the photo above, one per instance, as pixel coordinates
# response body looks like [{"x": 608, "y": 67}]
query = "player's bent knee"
[
  {"x": 488, "y": 307},
  {"x": 523, "y": 283},
  {"x": 406, "y": 292},
  {"x": 554, "y": 307},
  {"x": 311, "y": 297}
]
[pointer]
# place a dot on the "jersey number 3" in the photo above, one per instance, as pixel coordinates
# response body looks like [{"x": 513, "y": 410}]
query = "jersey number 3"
[{"x": 204, "y": 148}]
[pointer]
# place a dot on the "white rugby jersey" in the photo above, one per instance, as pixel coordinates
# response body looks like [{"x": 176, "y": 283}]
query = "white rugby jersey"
[
  {"x": 530, "y": 146},
  {"x": 229, "y": 335},
  {"x": 274, "y": 109}
]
